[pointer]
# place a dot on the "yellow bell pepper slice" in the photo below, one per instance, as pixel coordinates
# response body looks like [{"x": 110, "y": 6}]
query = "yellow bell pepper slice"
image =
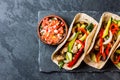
[{"x": 105, "y": 33}]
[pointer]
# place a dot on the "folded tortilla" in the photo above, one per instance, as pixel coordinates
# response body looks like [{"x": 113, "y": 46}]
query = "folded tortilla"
[
  {"x": 80, "y": 17},
  {"x": 117, "y": 45},
  {"x": 105, "y": 17}
]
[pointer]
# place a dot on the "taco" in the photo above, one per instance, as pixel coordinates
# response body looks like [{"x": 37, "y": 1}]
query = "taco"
[
  {"x": 71, "y": 52},
  {"x": 104, "y": 40},
  {"x": 115, "y": 56}
]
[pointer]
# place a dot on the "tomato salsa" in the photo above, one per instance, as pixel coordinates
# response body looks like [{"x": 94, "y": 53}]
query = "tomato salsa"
[{"x": 52, "y": 30}]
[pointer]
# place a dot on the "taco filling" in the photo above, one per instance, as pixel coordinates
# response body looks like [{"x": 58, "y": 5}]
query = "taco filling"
[
  {"x": 74, "y": 47},
  {"x": 116, "y": 57},
  {"x": 106, "y": 38}
]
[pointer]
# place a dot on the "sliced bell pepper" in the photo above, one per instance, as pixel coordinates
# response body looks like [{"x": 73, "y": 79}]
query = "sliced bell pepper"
[
  {"x": 105, "y": 33},
  {"x": 98, "y": 56},
  {"x": 83, "y": 37},
  {"x": 77, "y": 55},
  {"x": 117, "y": 60},
  {"x": 103, "y": 54},
  {"x": 80, "y": 42},
  {"x": 101, "y": 45},
  {"x": 83, "y": 26},
  {"x": 114, "y": 28},
  {"x": 70, "y": 45},
  {"x": 82, "y": 30},
  {"x": 85, "y": 33},
  {"x": 118, "y": 51},
  {"x": 107, "y": 49}
]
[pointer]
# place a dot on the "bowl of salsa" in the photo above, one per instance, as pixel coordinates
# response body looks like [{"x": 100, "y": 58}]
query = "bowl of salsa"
[{"x": 52, "y": 30}]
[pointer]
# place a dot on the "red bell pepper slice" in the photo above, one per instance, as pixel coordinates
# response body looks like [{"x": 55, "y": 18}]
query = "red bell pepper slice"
[
  {"x": 80, "y": 42},
  {"x": 117, "y": 60},
  {"x": 77, "y": 55},
  {"x": 103, "y": 54},
  {"x": 101, "y": 44},
  {"x": 98, "y": 57},
  {"x": 82, "y": 30},
  {"x": 107, "y": 49},
  {"x": 114, "y": 27}
]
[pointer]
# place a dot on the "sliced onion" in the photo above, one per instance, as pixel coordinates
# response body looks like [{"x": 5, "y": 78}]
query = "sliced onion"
[
  {"x": 109, "y": 39},
  {"x": 66, "y": 61},
  {"x": 73, "y": 35}
]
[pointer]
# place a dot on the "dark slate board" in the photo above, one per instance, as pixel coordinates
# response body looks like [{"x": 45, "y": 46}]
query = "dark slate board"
[{"x": 45, "y": 51}]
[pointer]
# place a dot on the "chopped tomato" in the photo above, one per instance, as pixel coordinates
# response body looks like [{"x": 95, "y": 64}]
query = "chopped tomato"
[
  {"x": 45, "y": 22},
  {"x": 46, "y": 34},
  {"x": 52, "y": 23},
  {"x": 60, "y": 30},
  {"x": 50, "y": 28},
  {"x": 55, "y": 39},
  {"x": 62, "y": 24}
]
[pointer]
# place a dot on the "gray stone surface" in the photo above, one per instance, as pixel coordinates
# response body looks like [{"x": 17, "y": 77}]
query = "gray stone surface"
[{"x": 19, "y": 43}]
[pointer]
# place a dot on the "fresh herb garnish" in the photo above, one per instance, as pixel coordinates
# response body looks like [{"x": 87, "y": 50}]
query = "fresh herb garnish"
[{"x": 90, "y": 27}]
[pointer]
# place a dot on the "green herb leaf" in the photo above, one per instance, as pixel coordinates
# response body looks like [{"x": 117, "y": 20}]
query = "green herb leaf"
[
  {"x": 90, "y": 27},
  {"x": 61, "y": 63}
]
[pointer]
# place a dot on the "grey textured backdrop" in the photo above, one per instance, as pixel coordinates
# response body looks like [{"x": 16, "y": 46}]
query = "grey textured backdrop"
[{"x": 19, "y": 42}]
